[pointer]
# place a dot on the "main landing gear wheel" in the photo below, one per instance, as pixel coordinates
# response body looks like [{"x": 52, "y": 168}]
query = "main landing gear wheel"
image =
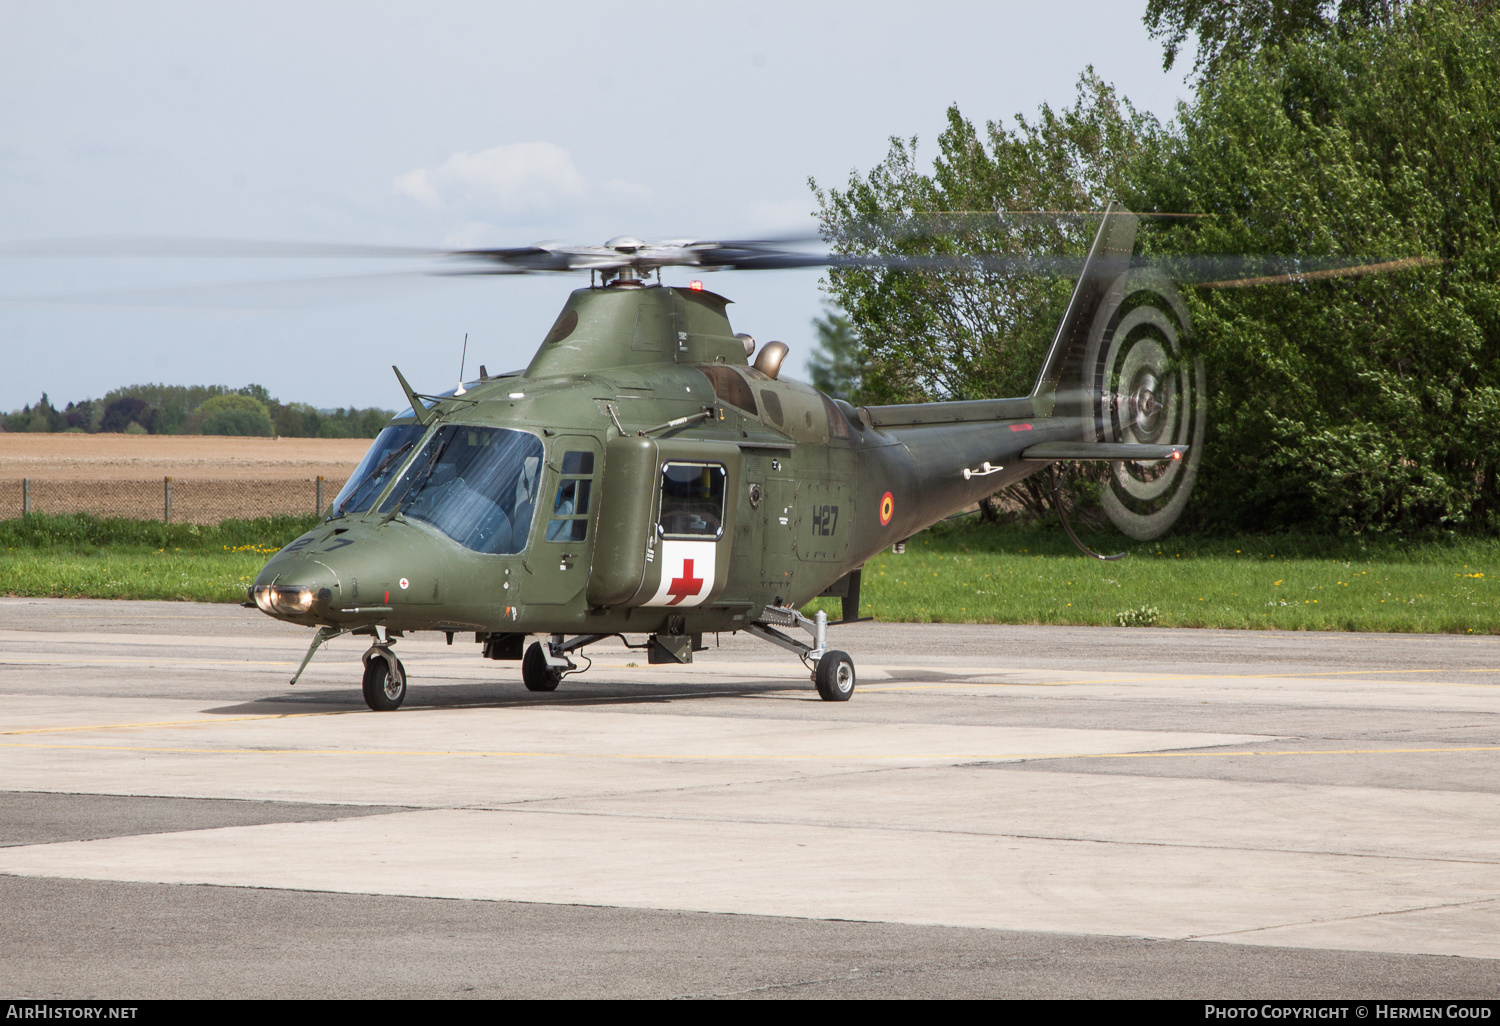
[
  {"x": 835, "y": 677},
  {"x": 535, "y": 673},
  {"x": 384, "y": 693}
]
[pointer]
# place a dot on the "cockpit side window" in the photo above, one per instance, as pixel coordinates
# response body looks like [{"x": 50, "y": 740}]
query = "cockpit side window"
[{"x": 570, "y": 507}]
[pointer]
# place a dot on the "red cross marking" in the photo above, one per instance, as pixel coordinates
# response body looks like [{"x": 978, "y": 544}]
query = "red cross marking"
[{"x": 685, "y": 586}]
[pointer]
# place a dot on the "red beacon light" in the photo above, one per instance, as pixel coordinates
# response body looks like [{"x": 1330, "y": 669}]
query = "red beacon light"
[{"x": 696, "y": 286}]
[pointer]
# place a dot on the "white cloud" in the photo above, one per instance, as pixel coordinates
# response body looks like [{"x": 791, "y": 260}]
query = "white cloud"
[{"x": 513, "y": 179}]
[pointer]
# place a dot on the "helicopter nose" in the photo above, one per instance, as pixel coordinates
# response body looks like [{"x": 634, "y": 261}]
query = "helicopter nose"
[{"x": 294, "y": 592}]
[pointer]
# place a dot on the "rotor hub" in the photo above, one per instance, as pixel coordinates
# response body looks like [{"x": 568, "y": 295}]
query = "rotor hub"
[{"x": 1146, "y": 409}]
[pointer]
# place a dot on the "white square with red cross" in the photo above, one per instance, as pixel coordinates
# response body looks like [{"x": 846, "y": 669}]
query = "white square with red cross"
[{"x": 687, "y": 573}]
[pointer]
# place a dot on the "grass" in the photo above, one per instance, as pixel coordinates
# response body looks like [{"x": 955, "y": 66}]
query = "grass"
[
  {"x": 972, "y": 573},
  {"x": 960, "y": 572},
  {"x": 86, "y": 557}
]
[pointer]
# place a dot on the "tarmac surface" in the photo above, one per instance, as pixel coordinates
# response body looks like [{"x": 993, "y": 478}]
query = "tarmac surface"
[{"x": 999, "y": 811}]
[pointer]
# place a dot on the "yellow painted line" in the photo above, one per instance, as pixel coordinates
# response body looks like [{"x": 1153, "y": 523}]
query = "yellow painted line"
[
  {"x": 126, "y": 616},
  {"x": 165, "y": 661},
  {"x": 750, "y": 757},
  {"x": 186, "y": 662}
]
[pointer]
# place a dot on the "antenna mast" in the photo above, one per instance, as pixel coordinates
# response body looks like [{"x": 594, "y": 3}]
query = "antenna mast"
[{"x": 461, "y": 360}]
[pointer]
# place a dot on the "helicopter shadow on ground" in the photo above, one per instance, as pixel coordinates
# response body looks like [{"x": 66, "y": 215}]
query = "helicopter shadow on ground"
[
  {"x": 512, "y": 695},
  {"x": 433, "y": 694}
]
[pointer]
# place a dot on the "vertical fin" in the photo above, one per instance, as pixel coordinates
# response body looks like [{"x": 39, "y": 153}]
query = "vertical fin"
[{"x": 1062, "y": 388}]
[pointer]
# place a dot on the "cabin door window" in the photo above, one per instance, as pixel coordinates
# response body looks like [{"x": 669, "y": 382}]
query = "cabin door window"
[{"x": 689, "y": 524}]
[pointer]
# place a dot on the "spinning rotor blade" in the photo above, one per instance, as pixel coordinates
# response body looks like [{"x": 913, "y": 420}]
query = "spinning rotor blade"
[
  {"x": 1016, "y": 242},
  {"x": 1203, "y": 271},
  {"x": 282, "y": 294},
  {"x": 626, "y": 252},
  {"x": 1004, "y": 233},
  {"x": 151, "y": 246},
  {"x": 1308, "y": 271}
]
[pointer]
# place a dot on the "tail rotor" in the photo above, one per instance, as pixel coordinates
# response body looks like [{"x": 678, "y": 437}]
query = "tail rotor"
[{"x": 1149, "y": 391}]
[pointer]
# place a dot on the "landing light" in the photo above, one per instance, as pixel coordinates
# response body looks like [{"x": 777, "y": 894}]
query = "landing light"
[{"x": 282, "y": 599}]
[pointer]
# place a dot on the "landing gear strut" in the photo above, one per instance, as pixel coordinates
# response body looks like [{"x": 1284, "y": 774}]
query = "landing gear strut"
[{"x": 833, "y": 671}]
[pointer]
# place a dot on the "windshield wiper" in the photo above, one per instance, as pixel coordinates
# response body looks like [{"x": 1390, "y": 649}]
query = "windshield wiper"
[
  {"x": 420, "y": 478},
  {"x": 374, "y": 474}
]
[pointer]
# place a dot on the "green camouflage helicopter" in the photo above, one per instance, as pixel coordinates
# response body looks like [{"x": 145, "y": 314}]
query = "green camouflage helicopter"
[{"x": 651, "y": 473}]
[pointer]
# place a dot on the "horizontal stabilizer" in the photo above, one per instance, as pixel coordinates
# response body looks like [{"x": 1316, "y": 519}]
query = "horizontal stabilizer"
[{"x": 1104, "y": 451}]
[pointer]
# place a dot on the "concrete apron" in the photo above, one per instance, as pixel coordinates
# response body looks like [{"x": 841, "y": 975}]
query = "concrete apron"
[{"x": 775, "y": 807}]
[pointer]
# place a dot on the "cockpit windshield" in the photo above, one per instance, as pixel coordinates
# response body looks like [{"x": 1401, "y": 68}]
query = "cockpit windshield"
[
  {"x": 375, "y": 471},
  {"x": 478, "y": 485}
]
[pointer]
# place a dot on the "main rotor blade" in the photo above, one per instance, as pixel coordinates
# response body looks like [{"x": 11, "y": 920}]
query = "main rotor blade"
[
  {"x": 1340, "y": 269},
  {"x": 902, "y": 231},
  {"x": 1203, "y": 270},
  {"x": 281, "y": 294},
  {"x": 150, "y": 246}
]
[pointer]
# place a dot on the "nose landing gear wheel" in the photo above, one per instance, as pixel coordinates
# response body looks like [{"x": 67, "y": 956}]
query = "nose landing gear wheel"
[
  {"x": 384, "y": 693},
  {"x": 535, "y": 673},
  {"x": 835, "y": 676}
]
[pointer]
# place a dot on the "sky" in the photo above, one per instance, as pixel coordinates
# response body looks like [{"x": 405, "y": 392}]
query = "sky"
[{"x": 459, "y": 124}]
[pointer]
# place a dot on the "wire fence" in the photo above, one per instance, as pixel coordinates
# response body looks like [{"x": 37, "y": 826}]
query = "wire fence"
[{"x": 172, "y": 500}]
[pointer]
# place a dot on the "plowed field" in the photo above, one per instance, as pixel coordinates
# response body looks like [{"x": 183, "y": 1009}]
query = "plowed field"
[
  {"x": 77, "y": 457},
  {"x": 213, "y": 478}
]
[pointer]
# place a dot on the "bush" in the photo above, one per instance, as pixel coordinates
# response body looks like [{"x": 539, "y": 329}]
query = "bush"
[{"x": 235, "y": 415}]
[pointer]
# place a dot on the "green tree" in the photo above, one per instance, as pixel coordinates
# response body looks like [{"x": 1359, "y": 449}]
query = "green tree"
[
  {"x": 1231, "y": 30},
  {"x": 835, "y": 365},
  {"x": 84, "y": 416},
  {"x": 173, "y": 403},
  {"x": 338, "y": 424},
  {"x": 965, "y": 331},
  {"x": 1363, "y": 402},
  {"x": 371, "y": 421},
  {"x": 1337, "y": 403},
  {"x": 235, "y": 415},
  {"x": 121, "y": 412},
  {"x": 43, "y": 417},
  {"x": 297, "y": 420},
  {"x": 259, "y": 393}
]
